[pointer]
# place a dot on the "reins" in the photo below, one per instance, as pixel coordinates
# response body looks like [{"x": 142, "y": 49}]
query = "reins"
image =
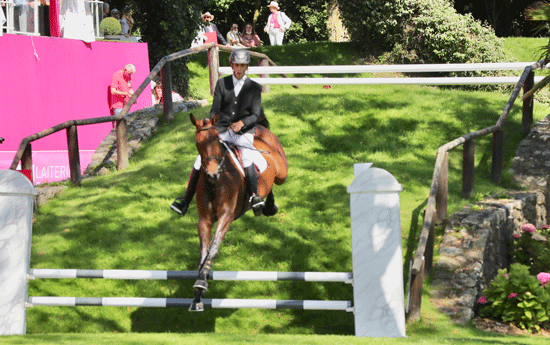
[{"x": 253, "y": 148}]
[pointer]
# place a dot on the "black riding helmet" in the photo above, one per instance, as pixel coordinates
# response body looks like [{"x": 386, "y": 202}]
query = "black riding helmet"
[{"x": 240, "y": 56}]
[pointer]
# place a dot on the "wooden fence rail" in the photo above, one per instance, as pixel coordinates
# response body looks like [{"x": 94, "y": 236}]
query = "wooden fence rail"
[
  {"x": 24, "y": 152},
  {"x": 436, "y": 209}
]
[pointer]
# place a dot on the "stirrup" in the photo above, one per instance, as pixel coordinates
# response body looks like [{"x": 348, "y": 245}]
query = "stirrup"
[{"x": 257, "y": 204}]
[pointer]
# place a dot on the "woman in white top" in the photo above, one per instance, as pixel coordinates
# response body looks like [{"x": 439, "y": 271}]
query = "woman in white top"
[
  {"x": 277, "y": 23},
  {"x": 126, "y": 22}
]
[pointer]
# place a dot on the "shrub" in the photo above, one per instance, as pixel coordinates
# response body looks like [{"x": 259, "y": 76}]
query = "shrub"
[
  {"x": 421, "y": 31},
  {"x": 110, "y": 26},
  {"x": 517, "y": 297},
  {"x": 532, "y": 248}
]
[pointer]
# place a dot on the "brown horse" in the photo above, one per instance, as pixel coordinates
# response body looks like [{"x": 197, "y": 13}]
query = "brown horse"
[{"x": 222, "y": 193}]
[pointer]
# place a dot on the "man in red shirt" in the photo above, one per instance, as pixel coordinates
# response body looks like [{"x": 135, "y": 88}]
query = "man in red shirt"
[{"x": 121, "y": 88}]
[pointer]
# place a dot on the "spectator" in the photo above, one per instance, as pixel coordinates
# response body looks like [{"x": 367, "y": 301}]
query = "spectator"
[
  {"x": 211, "y": 27},
  {"x": 249, "y": 37},
  {"x": 106, "y": 9},
  {"x": 24, "y": 16},
  {"x": 115, "y": 14},
  {"x": 157, "y": 94},
  {"x": 156, "y": 89},
  {"x": 277, "y": 23},
  {"x": 234, "y": 36},
  {"x": 2, "y": 21},
  {"x": 126, "y": 22},
  {"x": 121, "y": 88}
]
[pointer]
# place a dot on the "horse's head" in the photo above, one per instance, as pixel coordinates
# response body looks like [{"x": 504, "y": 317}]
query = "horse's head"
[{"x": 208, "y": 145}]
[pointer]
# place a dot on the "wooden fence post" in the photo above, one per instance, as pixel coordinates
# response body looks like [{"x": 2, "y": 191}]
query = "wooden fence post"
[
  {"x": 498, "y": 156},
  {"x": 468, "y": 168},
  {"x": 527, "y": 118},
  {"x": 213, "y": 67},
  {"x": 167, "y": 105},
  {"x": 121, "y": 144},
  {"x": 74, "y": 155},
  {"x": 415, "y": 295},
  {"x": 26, "y": 158}
]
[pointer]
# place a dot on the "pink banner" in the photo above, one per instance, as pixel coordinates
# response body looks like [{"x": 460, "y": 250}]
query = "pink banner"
[{"x": 47, "y": 81}]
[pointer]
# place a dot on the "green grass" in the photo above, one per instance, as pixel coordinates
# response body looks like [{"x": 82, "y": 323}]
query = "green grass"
[
  {"x": 122, "y": 220},
  {"x": 526, "y": 48}
]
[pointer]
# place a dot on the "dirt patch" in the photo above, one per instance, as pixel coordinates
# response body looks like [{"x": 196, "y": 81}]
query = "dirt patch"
[{"x": 505, "y": 328}]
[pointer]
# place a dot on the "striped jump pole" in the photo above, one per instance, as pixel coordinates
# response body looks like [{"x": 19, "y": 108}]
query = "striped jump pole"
[
  {"x": 344, "y": 277},
  {"x": 377, "y": 276},
  {"x": 215, "y": 303}
]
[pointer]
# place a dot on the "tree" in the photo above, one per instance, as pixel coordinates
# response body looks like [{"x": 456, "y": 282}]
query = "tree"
[
  {"x": 420, "y": 31},
  {"x": 506, "y": 17},
  {"x": 168, "y": 26},
  {"x": 540, "y": 12}
]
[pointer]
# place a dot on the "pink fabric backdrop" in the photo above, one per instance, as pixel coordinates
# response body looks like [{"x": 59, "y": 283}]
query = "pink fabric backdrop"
[{"x": 47, "y": 81}]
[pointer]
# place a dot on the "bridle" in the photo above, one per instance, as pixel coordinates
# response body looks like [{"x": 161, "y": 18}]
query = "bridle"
[{"x": 220, "y": 159}]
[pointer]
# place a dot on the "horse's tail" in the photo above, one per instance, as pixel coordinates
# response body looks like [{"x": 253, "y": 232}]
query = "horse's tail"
[{"x": 267, "y": 141}]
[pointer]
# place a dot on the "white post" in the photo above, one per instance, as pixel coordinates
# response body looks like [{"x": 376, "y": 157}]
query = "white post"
[
  {"x": 377, "y": 257},
  {"x": 16, "y": 210}
]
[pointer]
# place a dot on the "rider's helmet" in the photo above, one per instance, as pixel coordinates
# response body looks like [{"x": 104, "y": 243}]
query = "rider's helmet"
[{"x": 241, "y": 56}]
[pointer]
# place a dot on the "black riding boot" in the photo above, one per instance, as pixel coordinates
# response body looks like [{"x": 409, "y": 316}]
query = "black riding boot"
[
  {"x": 256, "y": 201},
  {"x": 181, "y": 204}
]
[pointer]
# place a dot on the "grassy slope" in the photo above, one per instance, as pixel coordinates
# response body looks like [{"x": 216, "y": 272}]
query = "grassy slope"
[{"x": 122, "y": 221}]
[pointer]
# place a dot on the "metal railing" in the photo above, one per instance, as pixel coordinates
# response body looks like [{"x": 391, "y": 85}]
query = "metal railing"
[{"x": 25, "y": 19}]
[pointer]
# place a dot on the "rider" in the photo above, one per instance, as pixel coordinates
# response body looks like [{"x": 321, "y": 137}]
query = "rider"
[{"x": 238, "y": 101}]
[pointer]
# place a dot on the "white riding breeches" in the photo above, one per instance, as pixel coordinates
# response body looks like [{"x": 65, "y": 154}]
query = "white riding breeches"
[{"x": 245, "y": 142}]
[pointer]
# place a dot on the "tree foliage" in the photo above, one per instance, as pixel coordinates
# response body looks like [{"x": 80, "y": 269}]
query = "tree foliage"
[
  {"x": 506, "y": 17},
  {"x": 309, "y": 17},
  {"x": 168, "y": 26},
  {"x": 429, "y": 31}
]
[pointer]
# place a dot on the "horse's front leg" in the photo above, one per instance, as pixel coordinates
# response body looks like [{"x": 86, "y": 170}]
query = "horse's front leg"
[
  {"x": 204, "y": 227},
  {"x": 205, "y": 268}
]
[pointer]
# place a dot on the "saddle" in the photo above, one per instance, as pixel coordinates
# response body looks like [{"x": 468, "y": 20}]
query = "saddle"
[{"x": 260, "y": 162}]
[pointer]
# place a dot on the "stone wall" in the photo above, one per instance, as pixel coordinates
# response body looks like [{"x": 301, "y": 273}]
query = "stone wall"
[
  {"x": 476, "y": 244},
  {"x": 477, "y": 239}
]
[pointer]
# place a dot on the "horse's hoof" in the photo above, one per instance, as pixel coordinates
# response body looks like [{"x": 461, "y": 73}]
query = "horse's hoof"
[
  {"x": 201, "y": 284},
  {"x": 270, "y": 211},
  {"x": 196, "y": 306}
]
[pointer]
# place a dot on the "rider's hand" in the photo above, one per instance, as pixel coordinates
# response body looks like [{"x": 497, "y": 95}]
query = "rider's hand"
[{"x": 236, "y": 126}]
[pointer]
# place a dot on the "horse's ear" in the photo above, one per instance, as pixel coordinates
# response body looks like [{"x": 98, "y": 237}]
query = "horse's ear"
[
  {"x": 194, "y": 120},
  {"x": 215, "y": 119}
]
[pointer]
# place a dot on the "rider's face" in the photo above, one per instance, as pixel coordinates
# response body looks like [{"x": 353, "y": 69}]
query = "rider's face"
[{"x": 239, "y": 70}]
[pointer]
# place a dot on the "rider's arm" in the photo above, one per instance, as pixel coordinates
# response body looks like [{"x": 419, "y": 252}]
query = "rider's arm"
[{"x": 256, "y": 109}]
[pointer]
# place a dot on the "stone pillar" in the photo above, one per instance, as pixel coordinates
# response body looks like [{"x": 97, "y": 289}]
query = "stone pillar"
[
  {"x": 16, "y": 211},
  {"x": 378, "y": 290}
]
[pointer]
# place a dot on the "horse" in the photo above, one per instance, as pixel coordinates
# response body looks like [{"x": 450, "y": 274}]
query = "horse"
[{"x": 222, "y": 195}]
